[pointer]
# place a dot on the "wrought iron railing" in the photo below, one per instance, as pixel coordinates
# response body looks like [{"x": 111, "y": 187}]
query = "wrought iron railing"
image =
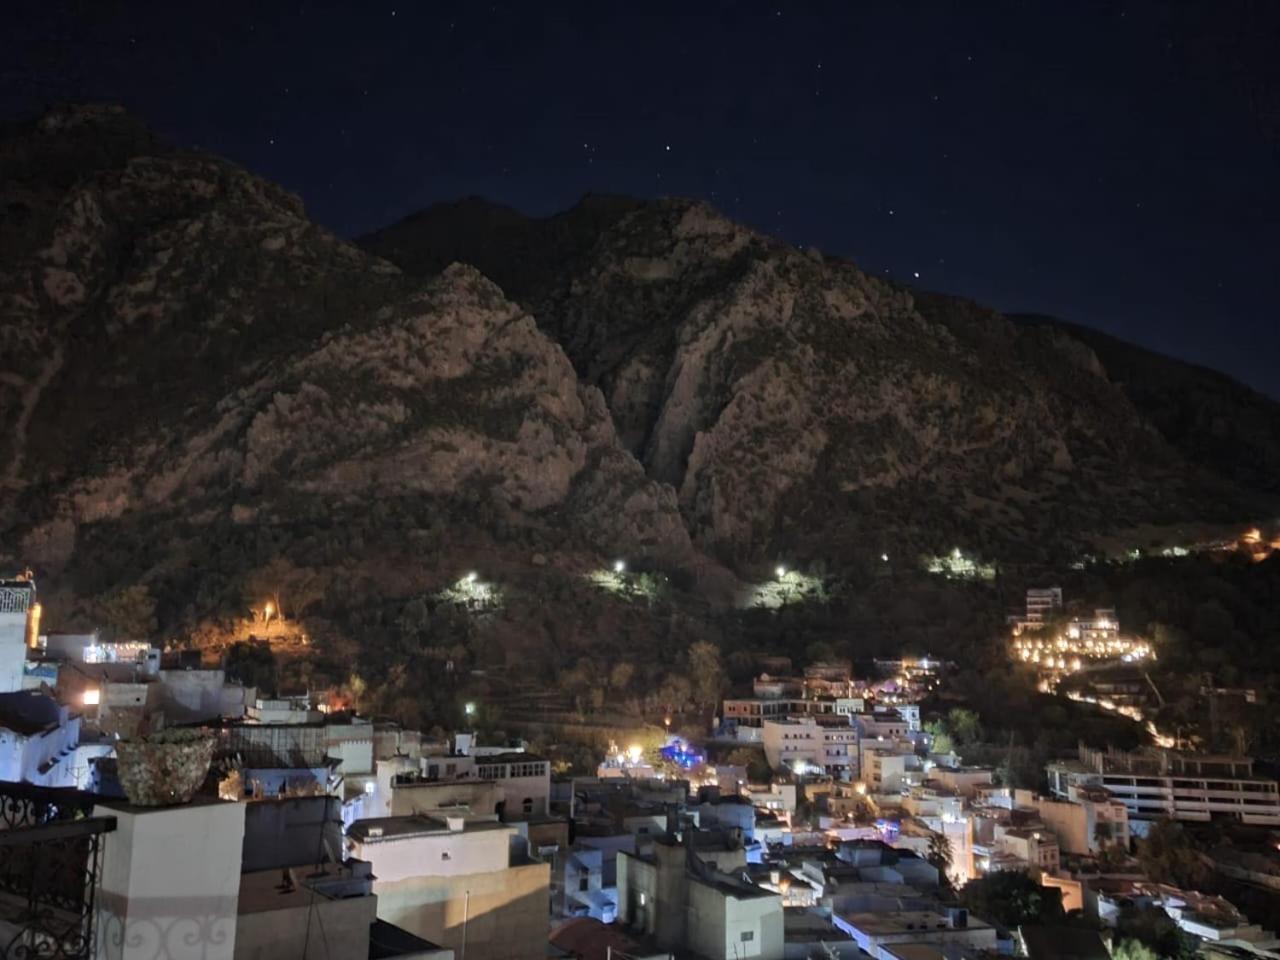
[{"x": 50, "y": 864}]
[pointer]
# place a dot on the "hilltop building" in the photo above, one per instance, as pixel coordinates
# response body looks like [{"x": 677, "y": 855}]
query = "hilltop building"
[{"x": 1155, "y": 783}]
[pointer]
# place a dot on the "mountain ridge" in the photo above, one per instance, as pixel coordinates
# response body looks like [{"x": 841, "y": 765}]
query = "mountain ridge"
[{"x": 208, "y": 386}]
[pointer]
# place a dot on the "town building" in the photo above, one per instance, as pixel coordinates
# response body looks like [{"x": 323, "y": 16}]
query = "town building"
[
  {"x": 812, "y": 746},
  {"x": 1156, "y": 783},
  {"x": 457, "y": 882},
  {"x": 878, "y": 933},
  {"x": 1086, "y": 821},
  {"x": 1042, "y": 604},
  {"x": 673, "y": 896},
  {"x": 17, "y": 609}
]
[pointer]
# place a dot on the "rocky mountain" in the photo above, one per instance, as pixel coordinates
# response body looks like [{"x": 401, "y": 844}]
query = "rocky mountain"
[
  {"x": 1215, "y": 422},
  {"x": 199, "y": 383},
  {"x": 207, "y": 394},
  {"x": 801, "y": 407}
]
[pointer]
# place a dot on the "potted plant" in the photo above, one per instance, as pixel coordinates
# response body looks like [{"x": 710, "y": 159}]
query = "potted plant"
[{"x": 159, "y": 769}]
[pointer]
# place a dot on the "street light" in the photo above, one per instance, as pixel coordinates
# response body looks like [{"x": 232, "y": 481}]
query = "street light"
[
  {"x": 471, "y": 577},
  {"x": 619, "y": 566},
  {"x": 470, "y": 709},
  {"x": 781, "y": 571}
]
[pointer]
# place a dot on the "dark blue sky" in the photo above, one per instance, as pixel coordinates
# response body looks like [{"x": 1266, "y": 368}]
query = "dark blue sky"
[{"x": 1116, "y": 164}]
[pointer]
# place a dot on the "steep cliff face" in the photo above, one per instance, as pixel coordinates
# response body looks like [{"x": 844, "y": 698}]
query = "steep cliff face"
[
  {"x": 798, "y": 404},
  {"x": 190, "y": 364},
  {"x": 1215, "y": 422}
]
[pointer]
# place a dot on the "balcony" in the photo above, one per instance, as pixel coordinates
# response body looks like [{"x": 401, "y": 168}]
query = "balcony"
[{"x": 50, "y": 867}]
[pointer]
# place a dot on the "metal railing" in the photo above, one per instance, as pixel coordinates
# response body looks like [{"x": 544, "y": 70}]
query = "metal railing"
[{"x": 50, "y": 865}]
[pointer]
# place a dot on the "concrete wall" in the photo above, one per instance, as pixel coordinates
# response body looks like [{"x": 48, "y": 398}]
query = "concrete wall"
[
  {"x": 482, "y": 796},
  {"x": 170, "y": 882},
  {"x": 444, "y": 854},
  {"x": 505, "y": 913},
  {"x": 13, "y": 649},
  {"x": 338, "y": 928},
  {"x": 291, "y": 832},
  {"x": 21, "y": 757},
  {"x": 353, "y": 745},
  {"x": 190, "y": 695}
]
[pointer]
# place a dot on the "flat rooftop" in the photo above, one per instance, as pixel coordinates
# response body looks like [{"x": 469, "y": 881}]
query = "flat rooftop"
[
  {"x": 264, "y": 890},
  {"x": 416, "y": 825},
  {"x": 904, "y": 921}
]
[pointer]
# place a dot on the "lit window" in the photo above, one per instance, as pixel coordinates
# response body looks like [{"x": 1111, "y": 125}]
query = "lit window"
[{"x": 92, "y": 697}]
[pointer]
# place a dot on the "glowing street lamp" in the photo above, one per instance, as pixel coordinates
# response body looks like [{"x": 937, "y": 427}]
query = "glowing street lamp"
[
  {"x": 781, "y": 571},
  {"x": 619, "y": 566},
  {"x": 470, "y": 709}
]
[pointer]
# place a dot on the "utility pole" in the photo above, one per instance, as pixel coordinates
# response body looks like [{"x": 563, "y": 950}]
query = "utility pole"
[{"x": 466, "y": 912}]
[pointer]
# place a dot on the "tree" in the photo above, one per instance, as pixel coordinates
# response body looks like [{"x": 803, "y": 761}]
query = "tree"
[
  {"x": 1157, "y": 932},
  {"x": 621, "y": 674},
  {"x": 964, "y": 726},
  {"x": 357, "y": 686},
  {"x": 1168, "y": 855},
  {"x": 126, "y": 614},
  {"x": 942, "y": 742},
  {"x": 253, "y": 664},
  {"x": 1010, "y": 898},
  {"x": 1133, "y": 950},
  {"x": 706, "y": 673},
  {"x": 939, "y": 856},
  {"x": 753, "y": 759}
]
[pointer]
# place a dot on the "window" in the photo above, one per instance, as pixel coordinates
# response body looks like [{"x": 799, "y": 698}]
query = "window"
[
  {"x": 445, "y": 855},
  {"x": 528, "y": 804},
  {"x": 584, "y": 883},
  {"x": 747, "y": 936}
]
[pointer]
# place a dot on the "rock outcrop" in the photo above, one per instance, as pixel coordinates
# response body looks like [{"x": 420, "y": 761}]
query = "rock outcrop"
[
  {"x": 187, "y": 358},
  {"x": 802, "y": 406}
]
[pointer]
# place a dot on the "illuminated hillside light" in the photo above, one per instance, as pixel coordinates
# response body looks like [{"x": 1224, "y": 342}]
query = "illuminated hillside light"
[
  {"x": 619, "y": 566},
  {"x": 269, "y": 610},
  {"x": 884, "y": 557},
  {"x": 781, "y": 571},
  {"x": 470, "y": 709},
  {"x": 471, "y": 577}
]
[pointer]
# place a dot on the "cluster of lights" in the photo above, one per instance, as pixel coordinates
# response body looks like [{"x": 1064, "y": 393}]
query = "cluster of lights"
[
  {"x": 682, "y": 754},
  {"x": 1068, "y": 652},
  {"x": 471, "y": 589}
]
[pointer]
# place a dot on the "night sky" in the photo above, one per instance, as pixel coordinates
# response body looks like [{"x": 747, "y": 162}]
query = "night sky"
[{"x": 1116, "y": 164}]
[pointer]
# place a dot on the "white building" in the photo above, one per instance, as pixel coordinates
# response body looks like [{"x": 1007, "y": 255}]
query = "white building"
[
  {"x": 274, "y": 710},
  {"x": 1086, "y": 821},
  {"x": 685, "y": 904},
  {"x": 1042, "y": 603},
  {"x": 808, "y": 746},
  {"x": 1162, "y": 783},
  {"x": 457, "y": 883},
  {"x": 17, "y": 606},
  {"x": 525, "y": 780},
  {"x": 38, "y": 739},
  {"x": 876, "y": 933}
]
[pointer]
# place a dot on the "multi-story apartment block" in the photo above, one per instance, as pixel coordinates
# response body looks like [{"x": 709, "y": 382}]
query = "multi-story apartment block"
[{"x": 1163, "y": 783}]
